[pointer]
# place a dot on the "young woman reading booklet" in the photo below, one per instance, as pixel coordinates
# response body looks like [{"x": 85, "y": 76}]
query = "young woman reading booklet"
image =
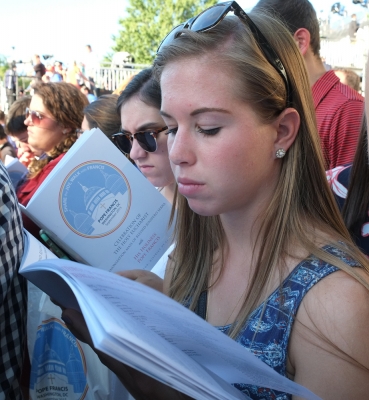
[{"x": 261, "y": 250}]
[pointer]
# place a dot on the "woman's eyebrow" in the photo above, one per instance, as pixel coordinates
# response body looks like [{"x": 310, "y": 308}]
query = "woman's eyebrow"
[
  {"x": 147, "y": 125},
  {"x": 200, "y": 111},
  {"x": 164, "y": 114},
  {"x": 209, "y": 109}
]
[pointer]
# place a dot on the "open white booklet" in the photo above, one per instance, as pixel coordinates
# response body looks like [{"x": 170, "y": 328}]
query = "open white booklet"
[
  {"x": 98, "y": 208},
  {"x": 51, "y": 346},
  {"x": 156, "y": 335}
]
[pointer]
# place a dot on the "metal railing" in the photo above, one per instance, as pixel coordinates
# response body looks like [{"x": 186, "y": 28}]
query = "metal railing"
[
  {"x": 338, "y": 54},
  {"x": 345, "y": 53},
  {"x": 109, "y": 79}
]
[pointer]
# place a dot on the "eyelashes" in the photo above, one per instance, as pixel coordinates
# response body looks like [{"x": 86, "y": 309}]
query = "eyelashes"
[
  {"x": 171, "y": 131},
  {"x": 208, "y": 132},
  {"x": 205, "y": 132}
]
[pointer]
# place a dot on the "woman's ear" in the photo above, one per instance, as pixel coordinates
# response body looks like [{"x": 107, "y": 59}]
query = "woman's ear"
[{"x": 287, "y": 124}]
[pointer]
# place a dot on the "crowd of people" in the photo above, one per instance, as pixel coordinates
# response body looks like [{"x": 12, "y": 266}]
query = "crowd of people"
[
  {"x": 263, "y": 154},
  {"x": 80, "y": 74}
]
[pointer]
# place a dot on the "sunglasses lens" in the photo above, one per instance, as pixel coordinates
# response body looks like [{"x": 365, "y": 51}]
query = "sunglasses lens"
[
  {"x": 34, "y": 117},
  {"x": 146, "y": 140},
  {"x": 123, "y": 143},
  {"x": 208, "y": 18},
  {"x": 171, "y": 36}
]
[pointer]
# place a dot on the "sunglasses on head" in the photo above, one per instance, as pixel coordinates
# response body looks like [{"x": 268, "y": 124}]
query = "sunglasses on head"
[
  {"x": 146, "y": 139},
  {"x": 36, "y": 116},
  {"x": 212, "y": 16}
]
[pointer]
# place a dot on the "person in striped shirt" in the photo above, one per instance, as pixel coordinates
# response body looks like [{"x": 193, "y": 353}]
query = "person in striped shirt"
[{"x": 338, "y": 108}]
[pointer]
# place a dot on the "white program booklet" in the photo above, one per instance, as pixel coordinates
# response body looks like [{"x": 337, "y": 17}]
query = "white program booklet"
[
  {"x": 51, "y": 346},
  {"x": 100, "y": 209},
  {"x": 16, "y": 170},
  {"x": 147, "y": 330}
]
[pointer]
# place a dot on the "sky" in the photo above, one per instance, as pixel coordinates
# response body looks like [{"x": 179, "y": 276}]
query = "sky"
[{"x": 64, "y": 28}]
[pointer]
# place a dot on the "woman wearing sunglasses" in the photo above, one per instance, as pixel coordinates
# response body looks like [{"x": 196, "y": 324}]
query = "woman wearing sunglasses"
[
  {"x": 275, "y": 268},
  {"x": 52, "y": 119},
  {"x": 143, "y": 131},
  {"x": 102, "y": 114},
  {"x": 143, "y": 137}
]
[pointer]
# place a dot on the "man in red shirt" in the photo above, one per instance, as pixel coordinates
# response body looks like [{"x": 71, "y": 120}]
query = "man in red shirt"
[{"x": 339, "y": 109}]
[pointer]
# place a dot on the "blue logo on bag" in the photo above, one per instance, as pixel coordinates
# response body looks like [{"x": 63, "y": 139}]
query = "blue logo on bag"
[
  {"x": 94, "y": 199},
  {"x": 58, "y": 365}
]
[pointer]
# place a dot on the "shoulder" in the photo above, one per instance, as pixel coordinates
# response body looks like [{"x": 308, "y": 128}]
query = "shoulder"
[
  {"x": 331, "y": 91},
  {"x": 348, "y": 93},
  {"x": 329, "y": 340},
  {"x": 26, "y": 191},
  {"x": 337, "y": 297},
  {"x": 337, "y": 309},
  {"x": 48, "y": 168}
]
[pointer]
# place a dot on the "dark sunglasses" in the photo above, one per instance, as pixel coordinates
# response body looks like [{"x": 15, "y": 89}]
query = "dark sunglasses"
[
  {"x": 212, "y": 16},
  {"x": 146, "y": 139},
  {"x": 36, "y": 116}
]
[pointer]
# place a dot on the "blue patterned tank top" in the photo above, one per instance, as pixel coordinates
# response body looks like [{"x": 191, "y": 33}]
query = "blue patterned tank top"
[{"x": 268, "y": 329}]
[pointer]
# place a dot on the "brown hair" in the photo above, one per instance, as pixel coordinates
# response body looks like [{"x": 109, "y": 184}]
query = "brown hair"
[
  {"x": 102, "y": 114},
  {"x": 302, "y": 209},
  {"x": 65, "y": 103},
  {"x": 17, "y": 115},
  {"x": 295, "y": 14},
  {"x": 2, "y": 133}
]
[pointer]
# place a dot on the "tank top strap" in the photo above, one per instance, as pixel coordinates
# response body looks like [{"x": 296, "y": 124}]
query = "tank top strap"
[{"x": 267, "y": 331}]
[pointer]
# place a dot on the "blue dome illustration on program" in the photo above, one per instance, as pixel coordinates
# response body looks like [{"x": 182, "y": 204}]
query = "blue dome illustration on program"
[
  {"x": 58, "y": 364},
  {"x": 94, "y": 199}
]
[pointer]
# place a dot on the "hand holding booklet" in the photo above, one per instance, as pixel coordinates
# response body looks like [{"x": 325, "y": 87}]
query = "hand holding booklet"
[{"x": 154, "y": 334}]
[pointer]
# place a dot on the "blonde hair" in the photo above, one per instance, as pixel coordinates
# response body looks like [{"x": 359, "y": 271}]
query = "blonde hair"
[
  {"x": 302, "y": 205},
  {"x": 65, "y": 103}
]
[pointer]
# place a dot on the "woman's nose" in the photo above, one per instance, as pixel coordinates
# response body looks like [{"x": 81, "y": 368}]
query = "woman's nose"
[
  {"x": 180, "y": 148},
  {"x": 28, "y": 121},
  {"x": 137, "y": 151}
]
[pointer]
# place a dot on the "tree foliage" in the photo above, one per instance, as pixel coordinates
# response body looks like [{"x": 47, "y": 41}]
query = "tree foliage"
[{"x": 149, "y": 21}]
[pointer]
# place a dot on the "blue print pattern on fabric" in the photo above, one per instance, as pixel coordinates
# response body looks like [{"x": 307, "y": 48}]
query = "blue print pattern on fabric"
[{"x": 266, "y": 334}]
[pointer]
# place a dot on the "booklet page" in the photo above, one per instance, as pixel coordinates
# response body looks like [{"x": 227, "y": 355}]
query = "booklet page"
[{"x": 171, "y": 322}]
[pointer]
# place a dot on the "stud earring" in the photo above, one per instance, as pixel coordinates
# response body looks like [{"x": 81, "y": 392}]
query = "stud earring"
[
  {"x": 64, "y": 131},
  {"x": 280, "y": 153}
]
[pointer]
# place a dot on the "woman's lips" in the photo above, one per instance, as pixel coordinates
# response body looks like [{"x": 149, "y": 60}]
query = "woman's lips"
[
  {"x": 145, "y": 167},
  {"x": 189, "y": 187}
]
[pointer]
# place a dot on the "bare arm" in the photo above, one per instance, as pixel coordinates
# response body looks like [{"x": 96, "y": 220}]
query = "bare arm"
[{"x": 329, "y": 346}]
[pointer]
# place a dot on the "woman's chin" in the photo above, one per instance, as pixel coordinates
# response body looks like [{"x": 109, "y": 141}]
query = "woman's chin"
[{"x": 205, "y": 210}]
